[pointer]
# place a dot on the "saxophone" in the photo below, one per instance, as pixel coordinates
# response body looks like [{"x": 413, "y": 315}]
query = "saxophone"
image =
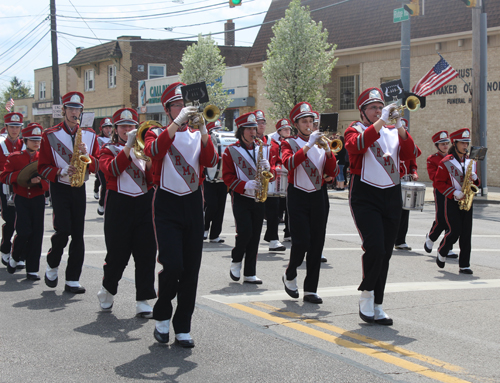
[
  {"x": 262, "y": 177},
  {"x": 468, "y": 188},
  {"x": 78, "y": 160}
]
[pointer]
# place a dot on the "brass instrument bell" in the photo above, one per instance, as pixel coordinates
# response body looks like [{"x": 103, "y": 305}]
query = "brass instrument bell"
[{"x": 412, "y": 103}]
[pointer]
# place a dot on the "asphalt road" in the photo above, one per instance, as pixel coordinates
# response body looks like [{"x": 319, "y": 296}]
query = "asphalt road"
[{"x": 445, "y": 324}]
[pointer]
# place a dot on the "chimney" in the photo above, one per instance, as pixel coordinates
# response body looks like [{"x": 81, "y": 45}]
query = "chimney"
[
  {"x": 78, "y": 49},
  {"x": 229, "y": 33}
]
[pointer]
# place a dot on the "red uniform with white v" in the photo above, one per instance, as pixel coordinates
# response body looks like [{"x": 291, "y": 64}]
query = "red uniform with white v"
[
  {"x": 68, "y": 203},
  {"x": 179, "y": 154},
  {"x": 128, "y": 223},
  {"x": 30, "y": 204}
]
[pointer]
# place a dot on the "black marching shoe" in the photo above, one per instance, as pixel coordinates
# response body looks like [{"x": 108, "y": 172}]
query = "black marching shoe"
[
  {"x": 187, "y": 343},
  {"x": 313, "y": 298},
  {"x": 160, "y": 337},
  {"x": 74, "y": 290},
  {"x": 11, "y": 269},
  {"x": 465, "y": 271},
  {"x": 32, "y": 277},
  {"x": 452, "y": 255},
  {"x": 439, "y": 263},
  {"x": 384, "y": 321},
  {"x": 21, "y": 265},
  {"x": 50, "y": 283}
]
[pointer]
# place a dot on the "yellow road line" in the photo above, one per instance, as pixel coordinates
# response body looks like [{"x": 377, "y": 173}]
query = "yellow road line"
[{"x": 410, "y": 366}]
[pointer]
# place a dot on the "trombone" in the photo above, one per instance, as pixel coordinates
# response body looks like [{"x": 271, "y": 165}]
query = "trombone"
[{"x": 412, "y": 103}]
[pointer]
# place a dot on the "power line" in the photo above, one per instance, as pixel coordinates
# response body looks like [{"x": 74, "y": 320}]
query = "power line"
[
  {"x": 25, "y": 36},
  {"x": 46, "y": 33}
]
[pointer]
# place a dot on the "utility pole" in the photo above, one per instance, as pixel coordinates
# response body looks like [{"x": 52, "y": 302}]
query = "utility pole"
[
  {"x": 405, "y": 60},
  {"x": 55, "y": 62}
]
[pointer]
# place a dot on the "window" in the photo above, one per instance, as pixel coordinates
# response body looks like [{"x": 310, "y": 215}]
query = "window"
[
  {"x": 89, "y": 80},
  {"x": 349, "y": 92},
  {"x": 111, "y": 76},
  {"x": 157, "y": 70},
  {"x": 41, "y": 90}
]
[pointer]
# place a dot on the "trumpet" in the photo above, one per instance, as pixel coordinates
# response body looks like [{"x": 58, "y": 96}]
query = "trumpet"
[
  {"x": 412, "y": 104},
  {"x": 211, "y": 113},
  {"x": 140, "y": 138},
  {"x": 324, "y": 142}
]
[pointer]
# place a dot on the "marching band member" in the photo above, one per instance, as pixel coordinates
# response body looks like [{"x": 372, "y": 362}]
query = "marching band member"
[
  {"x": 30, "y": 204},
  {"x": 448, "y": 181},
  {"x": 239, "y": 171},
  {"x": 103, "y": 138},
  {"x": 375, "y": 194},
  {"x": 9, "y": 144},
  {"x": 68, "y": 203},
  {"x": 215, "y": 195},
  {"x": 306, "y": 164},
  {"x": 442, "y": 143},
  {"x": 261, "y": 125},
  {"x": 178, "y": 154},
  {"x": 128, "y": 224}
]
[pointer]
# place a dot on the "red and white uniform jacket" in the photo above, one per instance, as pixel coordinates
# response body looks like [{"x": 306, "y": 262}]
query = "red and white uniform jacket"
[
  {"x": 8, "y": 147},
  {"x": 432, "y": 165},
  {"x": 124, "y": 175},
  {"x": 56, "y": 151},
  {"x": 450, "y": 175},
  {"x": 239, "y": 166},
  {"x": 102, "y": 141},
  {"x": 306, "y": 171},
  {"x": 178, "y": 163},
  {"x": 275, "y": 155},
  {"x": 13, "y": 166},
  {"x": 409, "y": 166},
  {"x": 375, "y": 156}
]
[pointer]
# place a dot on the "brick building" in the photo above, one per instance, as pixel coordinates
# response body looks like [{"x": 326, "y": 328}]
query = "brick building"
[{"x": 368, "y": 48}]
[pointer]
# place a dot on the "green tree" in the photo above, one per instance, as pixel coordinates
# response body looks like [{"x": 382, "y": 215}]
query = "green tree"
[
  {"x": 202, "y": 61},
  {"x": 300, "y": 62},
  {"x": 16, "y": 89}
]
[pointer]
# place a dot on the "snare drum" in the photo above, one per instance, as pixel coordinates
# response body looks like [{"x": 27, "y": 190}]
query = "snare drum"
[
  {"x": 413, "y": 194},
  {"x": 221, "y": 141},
  {"x": 277, "y": 188}
]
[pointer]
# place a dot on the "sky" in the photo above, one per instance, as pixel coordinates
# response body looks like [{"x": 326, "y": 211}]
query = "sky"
[{"x": 25, "y": 33}]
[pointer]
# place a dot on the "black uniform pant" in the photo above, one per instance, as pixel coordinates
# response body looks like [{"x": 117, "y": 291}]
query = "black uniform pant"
[
  {"x": 100, "y": 180},
  {"x": 128, "y": 230},
  {"x": 68, "y": 207},
  {"x": 248, "y": 216},
  {"x": 439, "y": 225},
  {"x": 403, "y": 227},
  {"x": 307, "y": 217},
  {"x": 27, "y": 243},
  {"x": 376, "y": 214},
  {"x": 460, "y": 229},
  {"x": 215, "y": 194},
  {"x": 179, "y": 233},
  {"x": 9, "y": 216},
  {"x": 284, "y": 210},
  {"x": 272, "y": 207}
]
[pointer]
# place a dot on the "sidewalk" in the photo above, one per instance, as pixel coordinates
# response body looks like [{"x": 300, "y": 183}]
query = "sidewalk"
[{"x": 492, "y": 197}]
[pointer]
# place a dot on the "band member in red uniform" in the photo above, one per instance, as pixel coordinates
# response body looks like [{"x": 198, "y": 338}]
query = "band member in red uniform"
[
  {"x": 448, "y": 181},
  {"x": 215, "y": 195},
  {"x": 68, "y": 203},
  {"x": 442, "y": 143},
  {"x": 128, "y": 227},
  {"x": 9, "y": 144},
  {"x": 30, "y": 204},
  {"x": 103, "y": 138},
  {"x": 306, "y": 164},
  {"x": 375, "y": 150},
  {"x": 239, "y": 170},
  {"x": 261, "y": 125},
  {"x": 179, "y": 153}
]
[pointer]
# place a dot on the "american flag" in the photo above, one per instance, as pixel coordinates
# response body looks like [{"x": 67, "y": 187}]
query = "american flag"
[
  {"x": 9, "y": 104},
  {"x": 440, "y": 74}
]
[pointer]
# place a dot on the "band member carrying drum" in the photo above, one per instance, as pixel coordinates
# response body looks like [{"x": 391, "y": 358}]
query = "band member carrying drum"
[
  {"x": 178, "y": 153},
  {"x": 306, "y": 164},
  {"x": 128, "y": 227},
  {"x": 375, "y": 149},
  {"x": 29, "y": 190},
  {"x": 442, "y": 142},
  {"x": 9, "y": 144},
  {"x": 449, "y": 180},
  {"x": 103, "y": 138}
]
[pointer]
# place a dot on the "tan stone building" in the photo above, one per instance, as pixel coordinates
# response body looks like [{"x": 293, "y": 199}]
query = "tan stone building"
[{"x": 369, "y": 54}]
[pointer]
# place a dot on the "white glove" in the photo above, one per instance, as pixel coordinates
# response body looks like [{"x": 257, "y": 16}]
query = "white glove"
[
  {"x": 387, "y": 111},
  {"x": 131, "y": 138},
  {"x": 65, "y": 171},
  {"x": 251, "y": 185},
  {"x": 265, "y": 164},
  {"x": 184, "y": 114},
  {"x": 399, "y": 123},
  {"x": 313, "y": 138},
  {"x": 458, "y": 195},
  {"x": 474, "y": 176},
  {"x": 203, "y": 129}
]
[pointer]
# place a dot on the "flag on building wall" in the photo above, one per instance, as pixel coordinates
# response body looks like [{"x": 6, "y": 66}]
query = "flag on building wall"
[
  {"x": 440, "y": 74},
  {"x": 9, "y": 104}
]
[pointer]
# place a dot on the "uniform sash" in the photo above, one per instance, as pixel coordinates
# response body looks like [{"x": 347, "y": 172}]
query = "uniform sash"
[
  {"x": 246, "y": 170},
  {"x": 102, "y": 141},
  {"x": 132, "y": 181},
  {"x": 456, "y": 174},
  {"x": 309, "y": 175}
]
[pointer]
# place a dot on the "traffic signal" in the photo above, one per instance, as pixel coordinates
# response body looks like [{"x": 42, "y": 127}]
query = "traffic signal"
[
  {"x": 234, "y": 3},
  {"x": 470, "y": 3},
  {"x": 413, "y": 8}
]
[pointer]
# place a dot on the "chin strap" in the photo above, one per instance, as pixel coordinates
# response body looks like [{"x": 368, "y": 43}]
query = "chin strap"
[{"x": 367, "y": 119}]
